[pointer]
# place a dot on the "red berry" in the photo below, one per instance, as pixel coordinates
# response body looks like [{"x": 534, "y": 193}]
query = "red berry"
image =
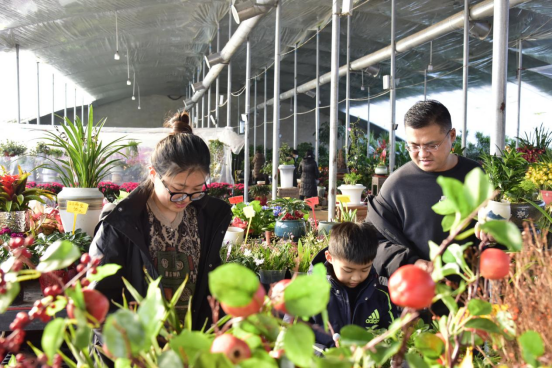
[
  {"x": 85, "y": 282},
  {"x": 15, "y": 242},
  {"x": 2, "y": 290},
  {"x": 96, "y": 261},
  {"x": 47, "y": 291},
  {"x": 17, "y": 265},
  {"x": 85, "y": 258},
  {"x": 93, "y": 270},
  {"x": 26, "y": 253},
  {"x": 80, "y": 268},
  {"x": 29, "y": 241}
]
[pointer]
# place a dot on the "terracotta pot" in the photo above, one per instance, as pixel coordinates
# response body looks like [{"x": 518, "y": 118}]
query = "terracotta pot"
[
  {"x": 546, "y": 197},
  {"x": 268, "y": 236}
]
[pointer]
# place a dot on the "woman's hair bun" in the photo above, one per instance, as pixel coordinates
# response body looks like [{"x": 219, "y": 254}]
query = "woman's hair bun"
[{"x": 179, "y": 123}]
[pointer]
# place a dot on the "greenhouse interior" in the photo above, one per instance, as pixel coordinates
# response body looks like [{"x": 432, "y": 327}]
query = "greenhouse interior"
[{"x": 275, "y": 183}]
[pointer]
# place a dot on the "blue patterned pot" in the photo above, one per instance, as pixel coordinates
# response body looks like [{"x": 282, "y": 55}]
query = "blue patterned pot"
[
  {"x": 324, "y": 228},
  {"x": 288, "y": 228}
]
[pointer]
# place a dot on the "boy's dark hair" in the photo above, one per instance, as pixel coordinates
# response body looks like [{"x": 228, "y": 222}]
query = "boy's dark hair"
[
  {"x": 295, "y": 152},
  {"x": 352, "y": 242},
  {"x": 426, "y": 113}
]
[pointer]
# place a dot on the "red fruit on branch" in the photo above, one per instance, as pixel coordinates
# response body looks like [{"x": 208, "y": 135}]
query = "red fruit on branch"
[
  {"x": 96, "y": 305},
  {"x": 494, "y": 264},
  {"x": 252, "y": 308},
  {"x": 235, "y": 349},
  {"x": 412, "y": 287},
  {"x": 277, "y": 295},
  {"x": 16, "y": 242}
]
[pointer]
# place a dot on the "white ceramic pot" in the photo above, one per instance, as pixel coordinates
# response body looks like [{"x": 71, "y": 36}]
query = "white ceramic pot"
[
  {"x": 380, "y": 170},
  {"x": 286, "y": 175},
  {"x": 87, "y": 222},
  {"x": 354, "y": 192},
  {"x": 495, "y": 210},
  {"x": 117, "y": 175},
  {"x": 261, "y": 182},
  {"x": 234, "y": 236},
  {"x": 49, "y": 176}
]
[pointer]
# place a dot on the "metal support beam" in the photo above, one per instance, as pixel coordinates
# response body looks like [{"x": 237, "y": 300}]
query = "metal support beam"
[
  {"x": 392, "y": 92},
  {"x": 425, "y": 84},
  {"x": 75, "y": 106},
  {"x": 295, "y": 98},
  {"x": 465, "y": 74},
  {"x": 368, "y": 124},
  {"x": 18, "y": 86},
  {"x": 53, "y": 97},
  {"x": 247, "y": 119},
  {"x": 265, "y": 114},
  {"x": 208, "y": 97},
  {"x": 229, "y": 87},
  {"x": 82, "y": 107},
  {"x": 217, "y": 87},
  {"x": 38, "y": 93},
  {"x": 348, "y": 88},
  {"x": 499, "y": 74},
  {"x": 255, "y": 118},
  {"x": 65, "y": 106},
  {"x": 317, "y": 97},
  {"x": 447, "y": 25},
  {"x": 198, "y": 110},
  {"x": 276, "y": 110},
  {"x": 203, "y": 98},
  {"x": 520, "y": 68},
  {"x": 334, "y": 109}
]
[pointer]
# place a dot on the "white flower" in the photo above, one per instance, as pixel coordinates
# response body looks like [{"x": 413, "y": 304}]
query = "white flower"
[
  {"x": 247, "y": 253},
  {"x": 258, "y": 261}
]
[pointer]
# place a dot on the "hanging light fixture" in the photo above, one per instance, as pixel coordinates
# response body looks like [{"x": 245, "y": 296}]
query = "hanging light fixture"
[
  {"x": 430, "y": 65},
  {"x": 116, "y": 56},
  {"x": 134, "y": 86},
  {"x": 139, "y": 98},
  {"x": 128, "y": 69},
  {"x": 251, "y": 8}
]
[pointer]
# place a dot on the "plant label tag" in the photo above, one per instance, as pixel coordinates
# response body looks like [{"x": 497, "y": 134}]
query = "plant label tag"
[
  {"x": 77, "y": 207},
  {"x": 312, "y": 201},
  {"x": 343, "y": 199},
  {"x": 249, "y": 211},
  {"x": 235, "y": 200}
]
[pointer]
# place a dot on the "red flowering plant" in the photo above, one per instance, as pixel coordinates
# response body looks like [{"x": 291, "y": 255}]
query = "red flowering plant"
[
  {"x": 532, "y": 147},
  {"x": 14, "y": 196},
  {"x": 129, "y": 186},
  {"x": 110, "y": 190},
  {"x": 381, "y": 152},
  {"x": 220, "y": 190},
  {"x": 238, "y": 189},
  {"x": 289, "y": 209},
  {"x": 53, "y": 187}
]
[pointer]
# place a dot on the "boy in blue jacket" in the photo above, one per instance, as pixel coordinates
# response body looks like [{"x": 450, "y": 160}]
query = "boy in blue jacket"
[{"x": 356, "y": 297}]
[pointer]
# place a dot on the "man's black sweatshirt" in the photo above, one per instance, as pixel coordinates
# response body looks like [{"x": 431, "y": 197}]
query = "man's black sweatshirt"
[{"x": 402, "y": 214}]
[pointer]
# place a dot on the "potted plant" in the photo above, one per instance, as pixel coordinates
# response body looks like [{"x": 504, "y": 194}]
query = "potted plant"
[
  {"x": 286, "y": 167},
  {"x": 15, "y": 198},
  {"x": 291, "y": 215},
  {"x": 220, "y": 190},
  {"x": 267, "y": 170},
  {"x": 87, "y": 163},
  {"x": 260, "y": 192},
  {"x": 10, "y": 152},
  {"x": 110, "y": 190},
  {"x": 352, "y": 188},
  {"x": 274, "y": 261},
  {"x": 539, "y": 174}
]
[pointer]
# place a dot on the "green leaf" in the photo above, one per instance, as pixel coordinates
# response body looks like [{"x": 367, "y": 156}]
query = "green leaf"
[
  {"x": 137, "y": 297},
  {"x": 415, "y": 361},
  {"x": 483, "y": 324},
  {"x": 307, "y": 295},
  {"x": 444, "y": 207},
  {"x": 103, "y": 271},
  {"x": 83, "y": 337},
  {"x": 152, "y": 310},
  {"x": 123, "y": 363},
  {"x": 259, "y": 359},
  {"x": 448, "y": 222},
  {"x": 504, "y": 232},
  {"x": 233, "y": 284},
  {"x": 209, "y": 360},
  {"x": 262, "y": 325},
  {"x": 52, "y": 338},
  {"x": 56, "y": 306},
  {"x": 479, "y": 307},
  {"x": 354, "y": 335},
  {"x": 6, "y": 299},
  {"x": 532, "y": 347},
  {"x": 59, "y": 255},
  {"x": 429, "y": 345},
  {"x": 477, "y": 188},
  {"x": 298, "y": 343},
  {"x": 170, "y": 359},
  {"x": 455, "y": 254},
  {"x": 188, "y": 344},
  {"x": 121, "y": 326},
  {"x": 384, "y": 352}
]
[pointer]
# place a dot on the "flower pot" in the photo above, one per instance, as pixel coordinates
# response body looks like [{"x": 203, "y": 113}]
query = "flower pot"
[
  {"x": 522, "y": 211},
  {"x": 271, "y": 276},
  {"x": 546, "y": 197},
  {"x": 234, "y": 236},
  {"x": 87, "y": 222},
  {"x": 354, "y": 192},
  {"x": 495, "y": 210},
  {"x": 290, "y": 229},
  {"x": 325, "y": 227},
  {"x": 117, "y": 175},
  {"x": 261, "y": 182},
  {"x": 268, "y": 237},
  {"x": 49, "y": 175},
  {"x": 321, "y": 191},
  {"x": 286, "y": 175},
  {"x": 381, "y": 170},
  {"x": 16, "y": 221}
]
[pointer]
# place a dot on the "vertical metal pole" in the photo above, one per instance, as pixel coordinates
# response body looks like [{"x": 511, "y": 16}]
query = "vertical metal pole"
[
  {"x": 265, "y": 114},
  {"x": 88, "y": 112},
  {"x": 217, "y": 88},
  {"x": 392, "y": 93},
  {"x": 198, "y": 110},
  {"x": 255, "y": 118},
  {"x": 266, "y": 111},
  {"x": 239, "y": 117},
  {"x": 520, "y": 68},
  {"x": 229, "y": 88},
  {"x": 209, "y": 99},
  {"x": 276, "y": 105},
  {"x": 465, "y": 70},
  {"x": 203, "y": 99},
  {"x": 334, "y": 109},
  {"x": 368, "y": 133},
  {"x": 295, "y": 99},
  {"x": 75, "y": 107},
  {"x": 194, "y": 106},
  {"x": 247, "y": 108},
  {"x": 425, "y": 84},
  {"x": 500, "y": 73},
  {"x": 317, "y": 104},
  {"x": 53, "y": 97},
  {"x": 65, "y": 106},
  {"x": 348, "y": 88},
  {"x": 38, "y": 93},
  {"x": 82, "y": 107},
  {"x": 18, "y": 86}
]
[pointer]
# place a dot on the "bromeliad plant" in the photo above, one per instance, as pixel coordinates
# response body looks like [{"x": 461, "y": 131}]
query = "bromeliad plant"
[
  {"x": 14, "y": 196},
  {"x": 289, "y": 209},
  {"x": 88, "y": 158}
]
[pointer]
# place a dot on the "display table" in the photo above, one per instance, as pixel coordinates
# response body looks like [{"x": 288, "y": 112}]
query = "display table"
[{"x": 291, "y": 192}]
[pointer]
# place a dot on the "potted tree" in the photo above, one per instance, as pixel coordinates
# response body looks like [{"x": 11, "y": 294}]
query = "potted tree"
[
  {"x": 352, "y": 188},
  {"x": 291, "y": 215},
  {"x": 87, "y": 163},
  {"x": 260, "y": 193},
  {"x": 286, "y": 166}
]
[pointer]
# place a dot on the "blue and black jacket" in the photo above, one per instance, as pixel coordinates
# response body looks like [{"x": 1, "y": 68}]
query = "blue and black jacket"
[{"x": 373, "y": 307}]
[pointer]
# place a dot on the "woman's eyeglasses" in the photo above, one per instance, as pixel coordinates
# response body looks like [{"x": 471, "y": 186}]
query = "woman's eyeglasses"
[{"x": 181, "y": 196}]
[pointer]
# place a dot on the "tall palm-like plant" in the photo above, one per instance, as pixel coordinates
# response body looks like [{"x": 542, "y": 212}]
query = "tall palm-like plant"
[{"x": 87, "y": 158}]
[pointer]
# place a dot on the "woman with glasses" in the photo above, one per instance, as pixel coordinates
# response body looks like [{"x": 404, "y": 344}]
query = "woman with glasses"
[{"x": 167, "y": 226}]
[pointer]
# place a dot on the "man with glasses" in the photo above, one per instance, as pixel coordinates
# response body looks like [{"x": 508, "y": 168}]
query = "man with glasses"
[{"x": 402, "y": 212}]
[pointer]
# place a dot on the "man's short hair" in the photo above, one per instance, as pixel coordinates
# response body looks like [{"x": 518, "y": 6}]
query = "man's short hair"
[
  {"x": 295, "y": 152},
  {"x": 352, "y": 242},
  {"x": 426, "y": 113}
]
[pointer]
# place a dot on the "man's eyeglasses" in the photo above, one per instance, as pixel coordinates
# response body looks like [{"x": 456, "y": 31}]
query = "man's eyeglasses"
[
  {"x": 427, "y": 148},
  {"x": 181, "y": 196}
]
